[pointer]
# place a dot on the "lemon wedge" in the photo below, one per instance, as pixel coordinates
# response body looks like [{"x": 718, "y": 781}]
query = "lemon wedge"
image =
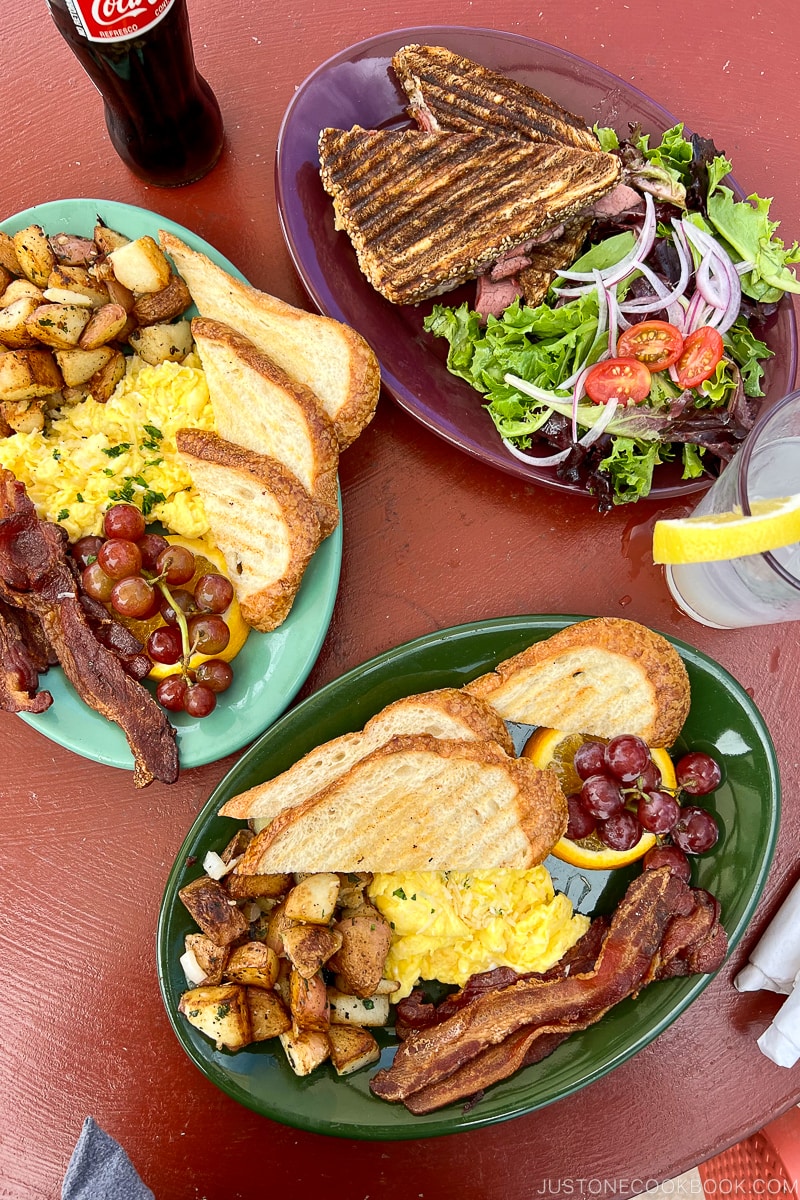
[{"x": 719, "y": 536}]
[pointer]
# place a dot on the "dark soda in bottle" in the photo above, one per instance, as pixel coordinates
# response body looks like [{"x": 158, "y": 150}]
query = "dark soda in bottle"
[{"x": 162, "y": 117}]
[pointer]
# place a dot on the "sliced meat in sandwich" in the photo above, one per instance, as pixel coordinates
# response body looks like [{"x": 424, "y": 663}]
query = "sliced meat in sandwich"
[
  {"x": 450, "y": 92},
  {"x": 427, "y": 211}
]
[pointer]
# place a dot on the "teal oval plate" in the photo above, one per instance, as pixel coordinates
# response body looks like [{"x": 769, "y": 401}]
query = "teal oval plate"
[
  {"x": 723, "y": 721},
  {"x": 272, "y": 667}
]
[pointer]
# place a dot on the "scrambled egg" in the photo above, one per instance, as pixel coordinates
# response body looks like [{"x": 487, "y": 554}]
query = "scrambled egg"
[
  {"x": 93, "y": 454},
  {"x": 450, "y": 925}
]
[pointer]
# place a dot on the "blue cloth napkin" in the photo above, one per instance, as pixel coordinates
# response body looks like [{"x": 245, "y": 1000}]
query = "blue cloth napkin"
[{"x": 101, "y": 1170}]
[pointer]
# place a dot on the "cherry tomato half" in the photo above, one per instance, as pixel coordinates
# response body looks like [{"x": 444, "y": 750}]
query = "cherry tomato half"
[
  {"x": 657, "y": 344},
  {"x": 702, "y": 350},
  {"x": 623, "y": 379}
]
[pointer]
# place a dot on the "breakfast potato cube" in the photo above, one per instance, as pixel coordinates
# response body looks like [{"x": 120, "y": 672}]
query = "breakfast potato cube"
[
  {"x": 351, "y": 888},
  {"x": 141, "y": 265},
  {"x": 24, "y": 416},
  {"x": 102, "y": 383},
  {"x": 221, "y": 1012},
  {"x": 268, "y": 1015},
  {"x": 78, "y": 279},
  {"x": 14, "y": 331},
  {"x": 210, "y": 958},
  {"x": 63, "y": 296},
  {"x": 357, "y": 1010},
  {"x": 119, "y": 294},
  {"x": 106, "y": 324},
  {"x": 256, "y": 887},
  {"x": 78, "y": 366},
  {"x": 308, "y": 1002},
  {"x": 352, "y": 1048},
  {"x": 8, "y": 255},
  {"x": 283, "y": 984},
  {"x": 210, "y": 906},
  {"x": 5, "y": 278},
  {"x": 162, "y": 343},
  {"x": 28, "y": 374},
  {"x": 386, "y": 987},
  {"x": 279, "y": 923},
  {"x": 34, "y": 254},
  {"x": 253, "y": 964},
  {"x": 237, "y": 845},
  {"x": 156, "y": 308},
  {"x": 73, "y": 250},
  {"x": 21, "y": 289},
  {"x": 308, "y": 947},
  {"x": 58, "y": 325},
  {"x": 366, "y": 937},
  {"x": 108, "y": 240},
  {"x": 313, "y": 900},
  {"x": 305, "y": 1049}
]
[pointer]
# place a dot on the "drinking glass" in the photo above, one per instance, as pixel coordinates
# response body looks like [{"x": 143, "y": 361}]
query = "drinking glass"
[{"x": 759, "y": 589}]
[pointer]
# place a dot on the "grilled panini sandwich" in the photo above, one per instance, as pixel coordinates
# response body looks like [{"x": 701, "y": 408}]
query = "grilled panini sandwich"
[
  {"x": 453, "y": 93},
  {"x": 426, "y": 211}
]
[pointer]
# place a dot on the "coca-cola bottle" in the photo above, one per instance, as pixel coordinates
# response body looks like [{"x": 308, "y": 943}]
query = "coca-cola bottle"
[{"x": 162, "y": 117}]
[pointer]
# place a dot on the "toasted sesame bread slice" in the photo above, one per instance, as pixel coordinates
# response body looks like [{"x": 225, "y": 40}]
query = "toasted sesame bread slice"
[
  {"x": 605, "y": 676},
  {"x": 419, "y": 803},
  {"x": 328, "y": 357},
  {"x": 258, "y": 406},
  {"x": 445, "y": 713},
  {"x": 261, "y": 518}
]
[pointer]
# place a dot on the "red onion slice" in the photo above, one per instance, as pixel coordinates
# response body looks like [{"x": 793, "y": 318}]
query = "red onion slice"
[
  {"x": 601, "y": 424},
  {"x": 551, "y": 460}
]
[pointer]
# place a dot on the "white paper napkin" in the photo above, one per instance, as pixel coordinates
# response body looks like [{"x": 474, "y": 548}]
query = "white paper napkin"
[
  {"x": 781, "y": 1040},
  {"x": 775, "y": 961}
]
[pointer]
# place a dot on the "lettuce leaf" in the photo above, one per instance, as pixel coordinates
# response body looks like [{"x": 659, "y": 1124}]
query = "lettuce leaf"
[
  {"x": 630, "y": 466},
  {"x": 745, "y": 225}
]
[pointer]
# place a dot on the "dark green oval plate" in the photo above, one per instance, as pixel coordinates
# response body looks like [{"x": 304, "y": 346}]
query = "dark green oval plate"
[{"x": 723, "y": 721}]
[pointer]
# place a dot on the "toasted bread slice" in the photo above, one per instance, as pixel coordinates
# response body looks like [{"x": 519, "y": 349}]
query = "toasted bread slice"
[
  {"x": 445, "y": 713},
  {"x": 257, "y": 405},
  {"x": 330, "y": 358},
  {"x": 419, "y": 803},
  {"x": 604, "y": 676},
  {"x": 261, "y": 518}
]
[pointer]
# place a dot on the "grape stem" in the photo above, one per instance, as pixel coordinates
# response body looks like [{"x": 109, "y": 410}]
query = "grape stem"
[{"x": 180, "y": 618}]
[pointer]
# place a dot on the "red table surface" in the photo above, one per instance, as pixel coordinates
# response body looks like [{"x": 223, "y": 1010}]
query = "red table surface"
[{"x": 432, "y": 539}]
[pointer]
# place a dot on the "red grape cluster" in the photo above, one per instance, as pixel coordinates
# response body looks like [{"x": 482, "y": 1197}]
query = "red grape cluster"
[
  {"x": 141, "y": 576},
  {"x": 622, "y": 796}
]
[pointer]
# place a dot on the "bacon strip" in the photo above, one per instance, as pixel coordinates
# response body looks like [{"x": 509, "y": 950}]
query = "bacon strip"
[
  {"x": 35, "y": 576},
  {"x": 19, "y": 666},
  {"x": 626, "y": 962}
]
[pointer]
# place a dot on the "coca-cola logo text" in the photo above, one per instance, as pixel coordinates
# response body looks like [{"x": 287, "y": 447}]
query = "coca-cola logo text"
[
  {"x": 112, "y": 12},
  {"x": 116, "y": 20}
]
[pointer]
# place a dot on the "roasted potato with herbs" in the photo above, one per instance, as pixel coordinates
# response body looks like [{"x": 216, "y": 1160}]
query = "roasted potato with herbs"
[
  {"x": 222, "y": 1012},
  {"x": 68, "y": 292},
  {"x": 28, "y": 374},
  {"x": 366, "y": 938},
  {"x": 34, "y": 254},
  {"x": 285, "y": 957}
]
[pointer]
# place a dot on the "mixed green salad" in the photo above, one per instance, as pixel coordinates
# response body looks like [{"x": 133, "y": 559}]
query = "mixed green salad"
[{"x": 644, "y": 350}]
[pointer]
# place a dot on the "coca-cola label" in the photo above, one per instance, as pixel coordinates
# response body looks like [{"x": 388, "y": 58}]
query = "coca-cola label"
[{"x": 116, "y": 20}]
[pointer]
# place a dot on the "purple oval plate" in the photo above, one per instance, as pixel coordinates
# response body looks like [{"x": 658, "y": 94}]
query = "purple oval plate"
[{"x": 358, "y": 86}]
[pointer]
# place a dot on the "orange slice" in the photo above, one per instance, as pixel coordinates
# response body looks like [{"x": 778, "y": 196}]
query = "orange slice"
[
  {"x": 208, "y": 559},
  {"x": 553, "y": 749}
]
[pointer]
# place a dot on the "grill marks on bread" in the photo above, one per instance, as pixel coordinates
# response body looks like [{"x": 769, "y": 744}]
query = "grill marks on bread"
[
  {"x": 462, "y": 95},
  {"x": 419, "y": 803},
  {"x": 426, "y": 211},
  {"x": 604, "y": 676},
  {"x": 258, "y": 406},
  {"x": 262, "y": 520},
  {"x": 444, "y": 713}
]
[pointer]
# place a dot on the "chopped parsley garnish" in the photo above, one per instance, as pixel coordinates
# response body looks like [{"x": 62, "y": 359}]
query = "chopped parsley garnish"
[
  {"x": 400, "y": 894},
  {"x": 154, "y": 436},
  {"x": 81, "y": 499},
  {"x": 369, "y": 1005},
  {"x": 62, "y": 516},
  {"x": 115, "y": 451},
  {"x": 150, "y": 499},
  {"x": 57, "y": 454}
]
